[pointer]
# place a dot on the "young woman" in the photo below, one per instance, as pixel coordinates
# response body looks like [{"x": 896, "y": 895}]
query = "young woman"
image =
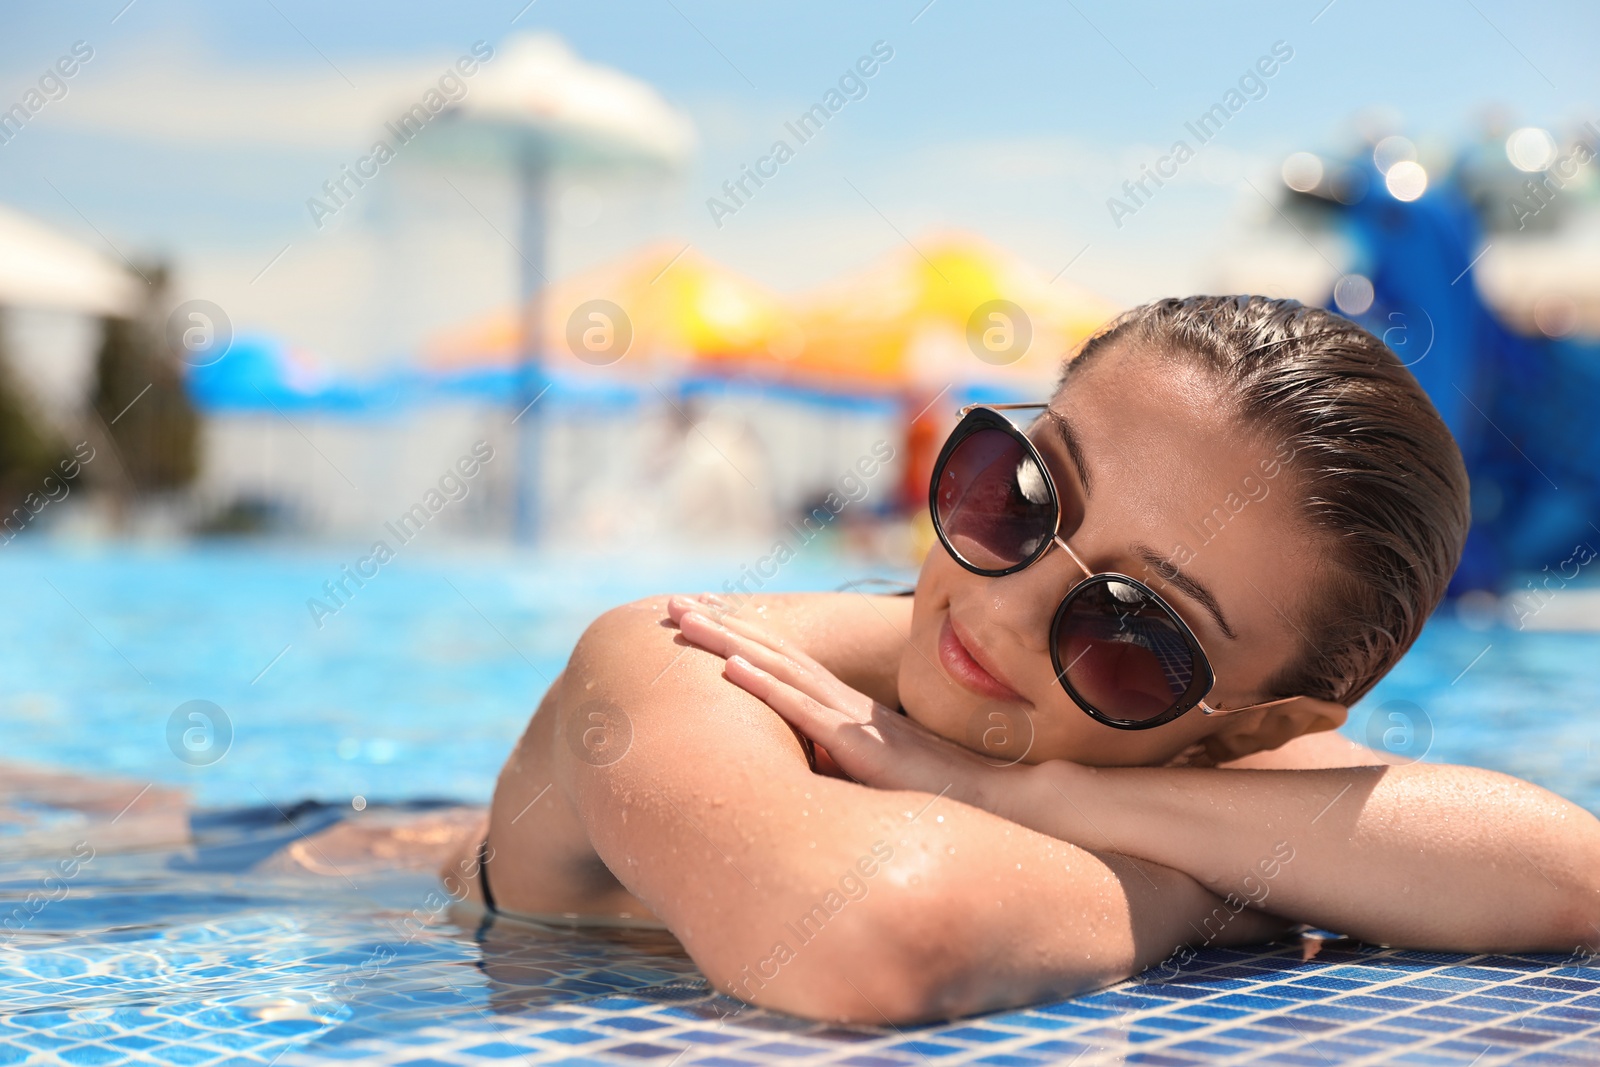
[{"x": 1096, "y": 734}]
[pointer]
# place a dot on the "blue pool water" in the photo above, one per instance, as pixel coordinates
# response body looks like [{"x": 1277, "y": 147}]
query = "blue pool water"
[{"x": 182, "y": 942}]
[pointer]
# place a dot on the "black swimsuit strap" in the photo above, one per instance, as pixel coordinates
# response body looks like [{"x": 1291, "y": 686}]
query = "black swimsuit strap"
[{"x": 483, "y": 875}]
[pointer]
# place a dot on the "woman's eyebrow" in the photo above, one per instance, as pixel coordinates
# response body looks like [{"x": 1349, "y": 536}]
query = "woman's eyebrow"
[
  {"x": 1069, "y": 439},
  {"x": 1168, "y": 571},
  {"x": 1197, "y": 592}
]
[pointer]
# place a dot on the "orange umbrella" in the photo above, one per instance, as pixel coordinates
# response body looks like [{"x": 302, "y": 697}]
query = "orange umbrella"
[{"x": 676, "y": 304}]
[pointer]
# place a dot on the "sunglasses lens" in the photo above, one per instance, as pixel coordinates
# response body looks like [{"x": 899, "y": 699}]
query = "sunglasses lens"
[
  {"x": 993, "y": 502},
  {"x": 1122, "y": 652}
]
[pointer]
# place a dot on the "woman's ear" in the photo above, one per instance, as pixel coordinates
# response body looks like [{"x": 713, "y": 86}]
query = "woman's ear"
[{"x": 1265, "y": 729}]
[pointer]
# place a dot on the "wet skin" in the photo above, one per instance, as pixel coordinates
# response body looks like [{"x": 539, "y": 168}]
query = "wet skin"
[
  {"x": 706, "y": 818},
  {"x": 980, "y": 660}
]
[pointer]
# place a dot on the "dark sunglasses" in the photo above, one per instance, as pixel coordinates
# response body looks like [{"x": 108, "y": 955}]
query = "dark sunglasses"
[{"x": 1119, "y": 650}]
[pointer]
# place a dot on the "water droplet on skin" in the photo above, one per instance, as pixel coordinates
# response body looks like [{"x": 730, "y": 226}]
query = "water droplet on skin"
[
  {"x": 589, "y": 684},
  {"x": 951, "y": 850},
  {"x": 939, "y": 819}
]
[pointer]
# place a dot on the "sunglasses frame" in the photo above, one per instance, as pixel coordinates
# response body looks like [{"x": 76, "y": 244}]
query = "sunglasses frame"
[{"x": 979, "y": 417}]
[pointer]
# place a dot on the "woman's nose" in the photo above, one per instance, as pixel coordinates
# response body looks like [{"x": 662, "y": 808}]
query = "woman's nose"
[{"x": 1025, "y": 603}]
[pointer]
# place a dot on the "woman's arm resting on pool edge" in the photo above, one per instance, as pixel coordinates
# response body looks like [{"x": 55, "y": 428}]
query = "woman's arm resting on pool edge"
[
  {"x": 1424, "y": 855},
  {"x": 826, "y": 898}
]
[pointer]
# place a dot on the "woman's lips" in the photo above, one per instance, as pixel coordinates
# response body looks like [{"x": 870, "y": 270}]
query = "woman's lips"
[{"x": 956, "y": 657}]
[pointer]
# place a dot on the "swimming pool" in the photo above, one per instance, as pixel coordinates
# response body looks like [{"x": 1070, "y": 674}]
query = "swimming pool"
[{"x": 174, "y": 943}]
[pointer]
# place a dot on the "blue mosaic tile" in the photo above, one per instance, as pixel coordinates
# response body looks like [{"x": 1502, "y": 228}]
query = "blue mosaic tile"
[
  {"x": 272, "y": 977},
  {"x": 1340, "y": 1012},
  {"x": 1176, "y": 1023},
  {"x": 705, "y": 1037},
  {"x": 1209, "y": 1048},
  {"x": 1325, "y": 981},
  {"x": 1031, "y": 1021},
  {"x": 1301, "y": 1025},
  {"x": 1180, "y": 991},
  {"x": 642, "y": 1050},
  {"x": 1288, "y": 1059},
  {"x": 89, "y": 1055},
  {"x": 1210, "y": 1010},
  {"x": 1548, "y": 1024},
  {"x": 1060, "y": 1047},
  {"x": 975, "y": 1034},
  {"x": 928, "y": 1049},
  {"x": 631, "y": 1022},
  {"x": 1252, "y": 1035},
  {"x": 1253, "y": 1001},
  {"x": 1082, "y": 1011},
  {"x": 570, "y": 1036},
  {"x": 498, "y": 1050}
]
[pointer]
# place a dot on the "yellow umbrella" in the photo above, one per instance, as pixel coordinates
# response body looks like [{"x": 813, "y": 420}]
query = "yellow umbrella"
[{"x": 954, "y": 310}]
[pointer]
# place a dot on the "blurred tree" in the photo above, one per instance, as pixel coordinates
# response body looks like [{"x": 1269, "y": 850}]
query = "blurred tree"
[
  {"x": 140, "y": 398},
  {"x": 29, "y": 446}
]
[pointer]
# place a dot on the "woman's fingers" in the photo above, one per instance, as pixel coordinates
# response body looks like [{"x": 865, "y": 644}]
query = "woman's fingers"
[
  {"x": 810, "y": 716},
  {"x": 863, "y": 748},
  {"x": 754, "y": 631},
  {"x": 709, "y": 603},
  {"x": 726, "y": 635},
  {"x": 717, "y": 610},
  {"x": 792, "y": 669}
]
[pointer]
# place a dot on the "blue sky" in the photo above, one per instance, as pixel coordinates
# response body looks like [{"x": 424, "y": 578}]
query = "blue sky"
[{"x": 1015, "y": 120}]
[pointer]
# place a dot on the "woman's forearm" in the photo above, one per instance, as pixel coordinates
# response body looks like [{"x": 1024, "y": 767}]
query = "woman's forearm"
[{"x": 1422, "y": 855}]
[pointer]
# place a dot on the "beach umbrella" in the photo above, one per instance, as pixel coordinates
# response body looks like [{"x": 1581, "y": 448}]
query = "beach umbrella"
[
  {"x": 536, "y": 107},
  {"x": 40, "y": 268}
]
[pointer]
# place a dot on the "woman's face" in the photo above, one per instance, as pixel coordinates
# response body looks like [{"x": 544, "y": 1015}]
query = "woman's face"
[{"x": 1160, "y": 479}]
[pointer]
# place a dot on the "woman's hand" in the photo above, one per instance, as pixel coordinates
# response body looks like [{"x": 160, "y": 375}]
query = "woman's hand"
[{"x": 869, "y": 742}]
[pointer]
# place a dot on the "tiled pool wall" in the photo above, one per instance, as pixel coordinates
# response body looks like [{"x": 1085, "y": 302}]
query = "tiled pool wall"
[{"x": 198, "y": 954}]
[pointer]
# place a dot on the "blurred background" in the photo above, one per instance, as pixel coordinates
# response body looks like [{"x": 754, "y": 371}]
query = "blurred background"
[{"x": 352, "y": 359}]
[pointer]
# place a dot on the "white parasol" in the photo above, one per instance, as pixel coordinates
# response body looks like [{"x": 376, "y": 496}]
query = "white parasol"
[
  {"x": 40, "y": 268},
  {"x": 537, "y": 107}
]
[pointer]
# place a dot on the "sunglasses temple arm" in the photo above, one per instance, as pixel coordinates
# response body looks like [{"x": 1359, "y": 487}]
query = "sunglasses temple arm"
[
  {"x": 1207, "y": 709},
  {"x": 1008, "y": 407}
]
